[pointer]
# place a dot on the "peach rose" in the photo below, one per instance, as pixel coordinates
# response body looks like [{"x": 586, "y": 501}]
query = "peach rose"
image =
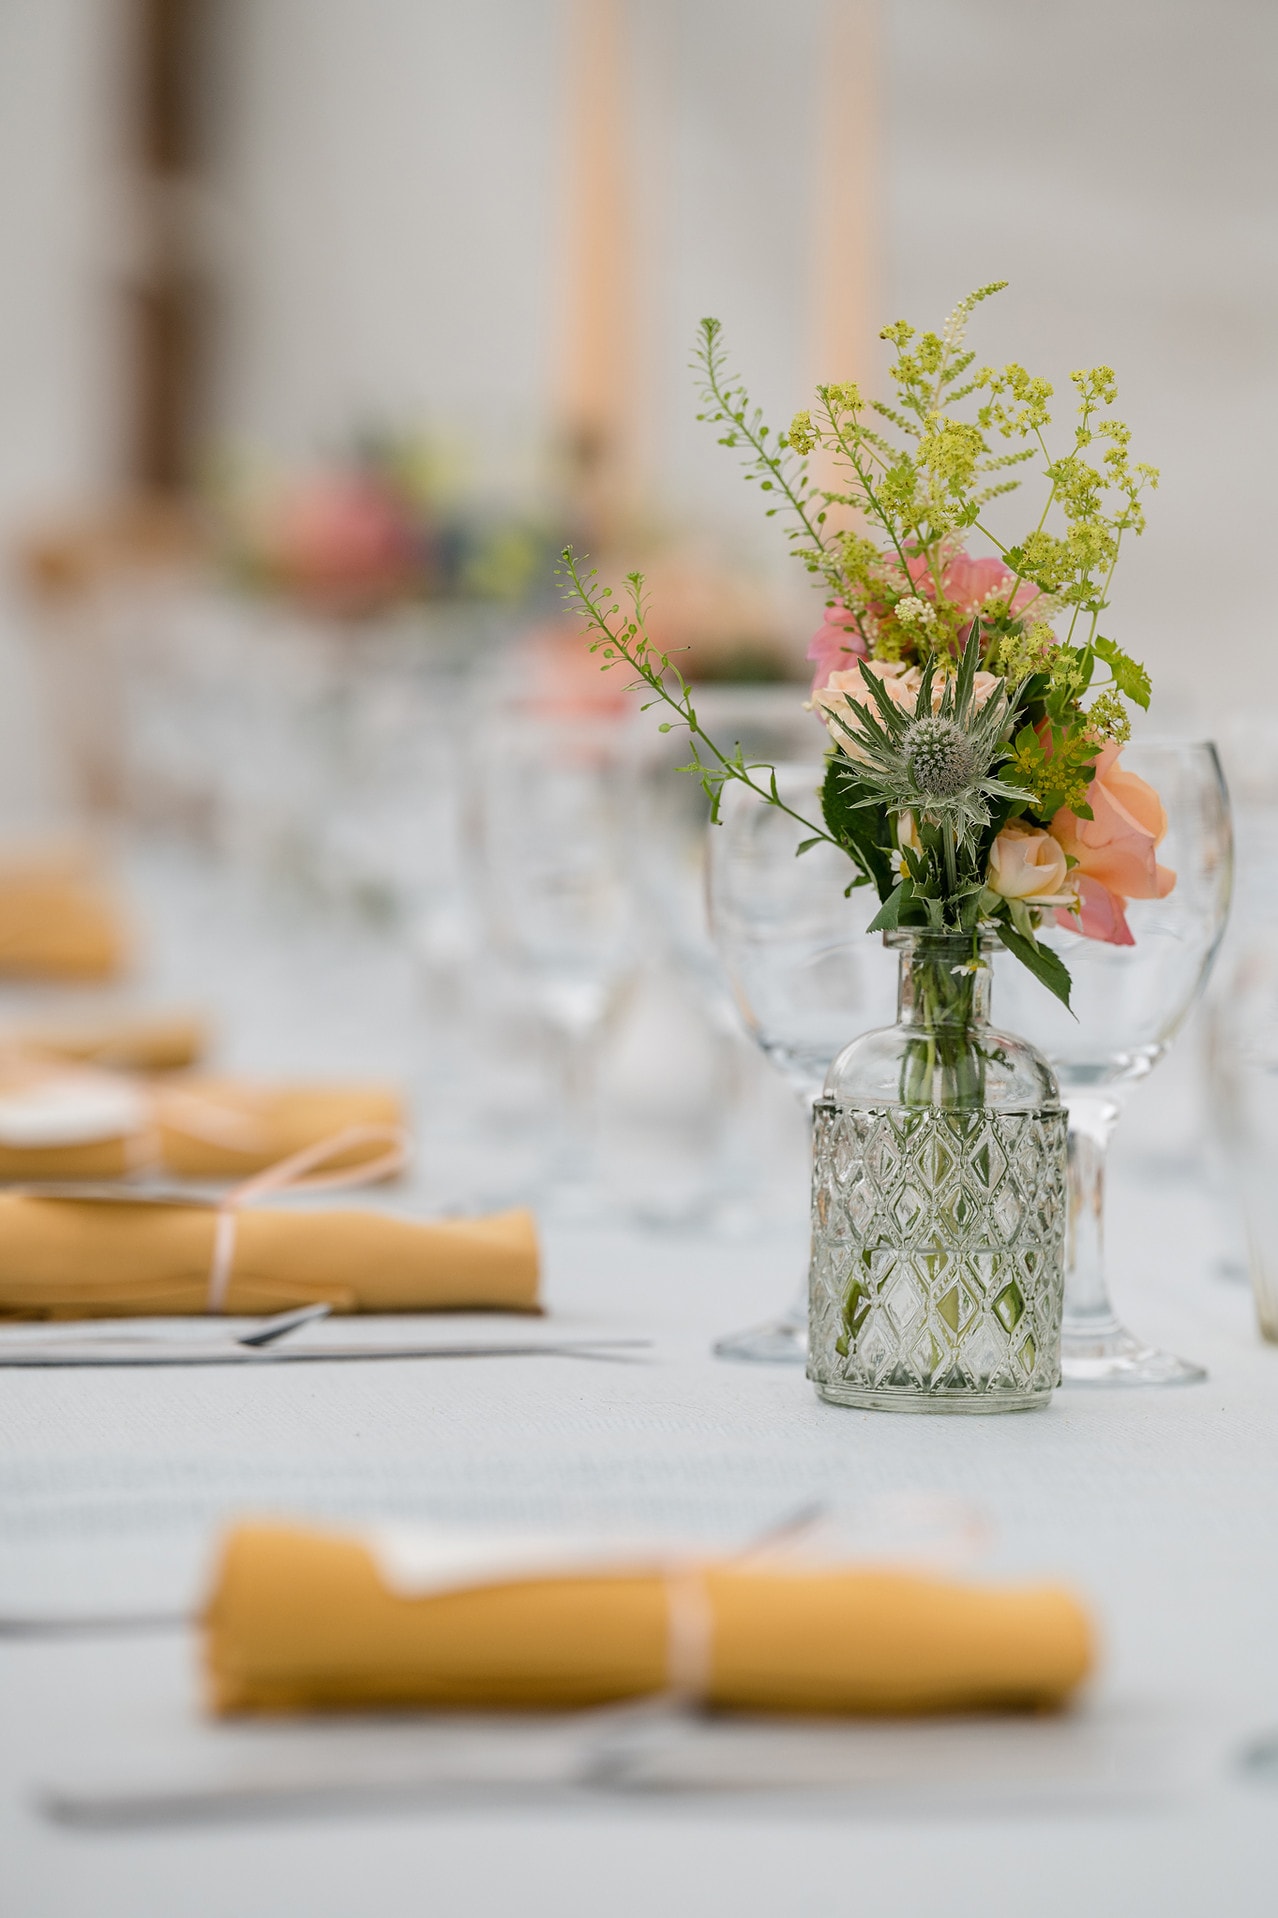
[
  {"x": 1114, "y": 849},
  {"x": 846, "y": 692},
  {"x": 1027, "y": 863},
  {"x": 1117, "y": 845},
  {"x": 836, "y": 646}
]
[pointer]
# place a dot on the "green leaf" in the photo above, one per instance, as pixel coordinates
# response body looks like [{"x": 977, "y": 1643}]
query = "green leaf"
[
  {"x": 889, "y": 913},
  {"x": 806, "y": 845},
  {"x": 861, "y": 830},
  {"x": 915, "y": 865},
  {"x": 1046, "y": 967},
  {"x": 1130, "y": 676}
]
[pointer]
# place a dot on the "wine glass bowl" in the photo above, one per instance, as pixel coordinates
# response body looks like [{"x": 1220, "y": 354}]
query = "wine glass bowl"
[
  {"x": 553, "y": 886},
  {"x": 804, "y": 977},
  {"x": 1128, "y": 1005}
]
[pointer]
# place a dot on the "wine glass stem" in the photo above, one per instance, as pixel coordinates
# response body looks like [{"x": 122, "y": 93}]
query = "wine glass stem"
[
  {"x": 573, "y": 1150},
  {"x": 1087, "y": 1306},
  {"x": 798, "y": 1312}
]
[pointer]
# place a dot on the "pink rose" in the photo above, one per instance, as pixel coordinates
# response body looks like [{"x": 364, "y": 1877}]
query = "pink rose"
[
  {"x": 1099, "y": 914},
  {"x": 1114, "y": 849},
  {"x": 1027, "y": 863},
  {"x": 967, "y": 583},
  {"x": 835, "y": 645}
]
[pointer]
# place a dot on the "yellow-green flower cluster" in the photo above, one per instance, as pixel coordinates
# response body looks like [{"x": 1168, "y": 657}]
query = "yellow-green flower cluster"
[
  {"x": 803, "y": 436},
  {"x": 842, "y": 396},
  {"x": 1054, "y": 772},
  {"x": 1028, "y": 397},
  {"x": 1107, "y": 718},
  {"x": 1021, "y": 654},
  {"x": 949, "y": 456}
]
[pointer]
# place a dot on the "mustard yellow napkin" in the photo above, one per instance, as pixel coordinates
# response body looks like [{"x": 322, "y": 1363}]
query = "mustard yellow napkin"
[
  {"x": 303, "y": 1621},
  {"x": 106, "y": 1258},
  {"x": 58, "y": 922},
  {"x": 198, "y": 1128},
  {"x": 124, "y": 1041}
]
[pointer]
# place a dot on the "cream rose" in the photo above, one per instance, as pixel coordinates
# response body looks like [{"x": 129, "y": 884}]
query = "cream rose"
[
  {"x": 1027, "y": 863},
  {"x": 846, "y": 692}
]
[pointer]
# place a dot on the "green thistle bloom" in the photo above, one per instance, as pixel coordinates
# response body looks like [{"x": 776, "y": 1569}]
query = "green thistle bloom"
[
  {"x": 939, "y": 754},
  {"x": 939, "y": 765}
]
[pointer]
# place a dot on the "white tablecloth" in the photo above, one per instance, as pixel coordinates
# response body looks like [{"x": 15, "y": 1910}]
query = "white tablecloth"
[{"x": 1159, "y": 1506}]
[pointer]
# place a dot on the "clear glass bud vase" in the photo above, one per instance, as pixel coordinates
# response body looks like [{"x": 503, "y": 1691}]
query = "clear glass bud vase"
[{"x": 938, "y": 1202}]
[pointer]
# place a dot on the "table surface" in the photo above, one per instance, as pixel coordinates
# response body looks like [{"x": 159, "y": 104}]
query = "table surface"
[{"x": 1157, "y": 1505}]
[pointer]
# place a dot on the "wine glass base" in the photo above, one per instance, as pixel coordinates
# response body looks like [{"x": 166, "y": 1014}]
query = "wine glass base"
[
  {"x": 1110, "y": 1355},
  {"x": 779, "y": 1342}
]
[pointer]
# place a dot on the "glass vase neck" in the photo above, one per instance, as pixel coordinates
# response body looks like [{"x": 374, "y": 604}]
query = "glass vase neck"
[{"x": 944, "y": 978}]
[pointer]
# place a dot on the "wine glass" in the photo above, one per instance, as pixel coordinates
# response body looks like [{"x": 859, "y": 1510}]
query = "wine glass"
[
  {"x": 555, "y": 898},
  {"x": 1129, "y": 1004},
  {"x": 804, "y": 977}
]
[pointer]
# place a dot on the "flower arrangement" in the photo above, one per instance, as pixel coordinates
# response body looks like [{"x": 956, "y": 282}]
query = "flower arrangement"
[{"x": 976, "y": 713}]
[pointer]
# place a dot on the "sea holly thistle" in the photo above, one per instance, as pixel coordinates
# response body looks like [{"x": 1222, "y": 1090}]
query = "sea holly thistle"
[{"x": 934, "y": 763}]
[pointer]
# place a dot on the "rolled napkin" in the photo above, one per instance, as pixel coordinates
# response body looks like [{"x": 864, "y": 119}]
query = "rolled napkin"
[
  {"x": 57, "y": 921},
  {"x": 128, "y": 1255},
  {"x": 302, "y": 1620},
  {"x": 80, "y": 1124},
  {"x": 123, "y": 1041}
]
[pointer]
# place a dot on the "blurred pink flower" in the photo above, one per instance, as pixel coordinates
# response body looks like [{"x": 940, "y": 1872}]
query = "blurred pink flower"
[
  {"x": 341, "y": 541},
  {"x": 835, "y": 645},
  {"x": 560, "y": 678}
]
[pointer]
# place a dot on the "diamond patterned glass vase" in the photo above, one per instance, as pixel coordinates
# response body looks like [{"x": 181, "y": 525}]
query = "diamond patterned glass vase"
[{"x": 938, "y": 1203}]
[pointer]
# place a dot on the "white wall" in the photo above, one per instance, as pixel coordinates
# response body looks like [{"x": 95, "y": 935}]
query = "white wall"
[
  {"x": 393, "y": 174},
  {"x": 1116, "y": 160},
  {"x": 58, "y": 392},
  {"x": 56, "y": 398},
  {"x": 389, "y": 175}
]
